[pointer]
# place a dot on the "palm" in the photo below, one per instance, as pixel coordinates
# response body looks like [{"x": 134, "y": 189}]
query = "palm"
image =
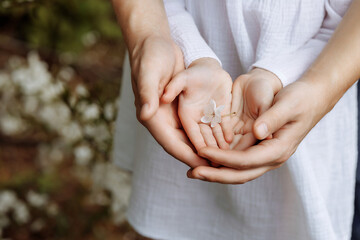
[
  {"x": 255, "y": 91},
  {"x": 204, "y": 85},
  {"x": 166, "y": 129}
]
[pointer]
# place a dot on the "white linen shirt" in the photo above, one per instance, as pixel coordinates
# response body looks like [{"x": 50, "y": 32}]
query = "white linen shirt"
[{"x": 311, "y": 196}]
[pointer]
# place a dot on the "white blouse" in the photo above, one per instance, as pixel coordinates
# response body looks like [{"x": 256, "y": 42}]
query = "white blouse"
[{"x": 311, "y": 196}]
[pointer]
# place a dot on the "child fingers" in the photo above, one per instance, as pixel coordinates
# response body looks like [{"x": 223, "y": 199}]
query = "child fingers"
[
  {"x": 219, "y": 136},
  {"x": 236, "y": 102},
  {"x": 208, "y": 135},
  {"x": 245, "y": 142},
  {"x": 174, "y": 87},
  {"x": 238, "y": 128},
  {"x": 193, "y": 131},
  {"x": 209, "y": 139}
]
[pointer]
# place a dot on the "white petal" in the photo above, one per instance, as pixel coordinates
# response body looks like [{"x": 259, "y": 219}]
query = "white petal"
[
  {"x": 219, "y": 110},
  {"x": 209, "y": 109},
  {"x": 206, "y": 119},
  {"x": 215, "y": 120},
  {"x": 213, "y": 104}
]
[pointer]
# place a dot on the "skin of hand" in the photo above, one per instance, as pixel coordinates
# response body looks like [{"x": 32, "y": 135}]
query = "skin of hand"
[
  {"x": 154, "y": 59},
  {"x": 153, "y": 63},
  {"x": 253, "y": 94},
  {"x": 297, "y": 109},
  {"x": 196, "y": 86}
]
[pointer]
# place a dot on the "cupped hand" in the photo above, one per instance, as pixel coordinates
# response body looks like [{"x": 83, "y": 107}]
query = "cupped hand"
[
  {"x": 154, "y": 61},
  {"x": 166, "y": 128},
  {"x": 296, "y": 110},
  {"x": 197, "y": 86},
  {"x": 253, "y": 94}
]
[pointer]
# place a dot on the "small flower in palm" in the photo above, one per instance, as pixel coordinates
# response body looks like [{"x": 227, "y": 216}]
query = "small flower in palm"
[{"x": 212, "y": 114}]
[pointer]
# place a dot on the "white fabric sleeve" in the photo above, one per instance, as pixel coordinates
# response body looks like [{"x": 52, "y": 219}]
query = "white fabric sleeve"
[
  {"x": 290, "y": 66},
  {"x": 185, "y": 33}
]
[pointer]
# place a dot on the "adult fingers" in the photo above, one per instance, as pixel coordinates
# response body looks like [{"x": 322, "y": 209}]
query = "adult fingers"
[
  {"x": 272, "y": 120},
  {"x": 268, "y": 152},
  {"x": 245, "y": 142},
  {"x": 147, "y": 87},
  {"x": 175, "y": 87},
  {"x": 176, "y": 143},
  {"x": 227, "y": 175}
]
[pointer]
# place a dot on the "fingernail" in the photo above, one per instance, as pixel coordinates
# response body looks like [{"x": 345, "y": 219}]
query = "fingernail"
[
  {"x": 189, "y": 174},
  {"x": 262, "y": 130}
]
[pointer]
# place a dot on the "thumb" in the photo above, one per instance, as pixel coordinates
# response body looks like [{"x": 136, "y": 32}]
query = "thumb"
[
  {"x": 175, "y": 87},
  {"x": 148, "y": 93},
  {"x": 272, "y": 120}
]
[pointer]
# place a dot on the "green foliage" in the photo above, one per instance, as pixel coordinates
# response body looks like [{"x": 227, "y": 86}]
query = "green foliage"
[{"x": 61, "y": 25}]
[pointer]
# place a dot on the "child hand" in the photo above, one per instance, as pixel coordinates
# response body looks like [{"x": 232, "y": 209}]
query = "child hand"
[
  {"x": 253, "y": 94},
  {"x": 202, "y": 82}
]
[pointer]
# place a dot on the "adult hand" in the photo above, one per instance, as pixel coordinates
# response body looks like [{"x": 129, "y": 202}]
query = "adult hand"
[
  {"x": 297, "y": 109},
  {"x": 166, "y": 128},
  {"x": 154, "y": 61},
  {"x": 253, "y": 94}
]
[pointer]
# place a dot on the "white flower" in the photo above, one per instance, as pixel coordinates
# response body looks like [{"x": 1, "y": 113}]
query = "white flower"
[
  {"x": 109, "y": 111},
  {"x": 11, "y": 125},
  {"x": 31, "y": 104},
  {"x": 81, "y": 90},
  {"x": 83, "y": 155},
  {"x": 212, "y": 114},
  {"x": 52, "y": 91},
  {"x": 71, "y": 132},
  {"x": 36, "y": 199},
  {"x": 55, "y": 115},
  {"x": 66, "y": 73},
  {"x": 7, "y": 199},
  {"x": 21, "y": 212},
  {"x": 89, "y": 39},
  {"x": 92, "y": 112},
  {"x": 33, "y": 78}
]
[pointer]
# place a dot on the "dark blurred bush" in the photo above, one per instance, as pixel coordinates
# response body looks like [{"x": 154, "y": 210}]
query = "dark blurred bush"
[{"x": 63, "y": 26}]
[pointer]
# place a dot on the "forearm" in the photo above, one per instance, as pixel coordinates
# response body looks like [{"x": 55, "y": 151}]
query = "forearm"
[
  {"x": 338, "y": 66},
  {"x": 140, "y": 19}
]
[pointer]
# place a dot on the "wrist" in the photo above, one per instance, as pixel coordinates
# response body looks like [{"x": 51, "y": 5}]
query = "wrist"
[
  {"x": 272, "y": 78},
  {"x": 139, "y": 21},
  {"x": 206, "y": 61},
  {"x": 326, "y": 84}
]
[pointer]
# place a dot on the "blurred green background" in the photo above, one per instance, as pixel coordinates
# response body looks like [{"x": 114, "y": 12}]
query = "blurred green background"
[{"x": 60, "y": 74}]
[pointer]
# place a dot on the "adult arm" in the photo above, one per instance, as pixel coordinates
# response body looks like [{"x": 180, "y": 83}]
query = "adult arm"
[{"x": 154, "y": 59}]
